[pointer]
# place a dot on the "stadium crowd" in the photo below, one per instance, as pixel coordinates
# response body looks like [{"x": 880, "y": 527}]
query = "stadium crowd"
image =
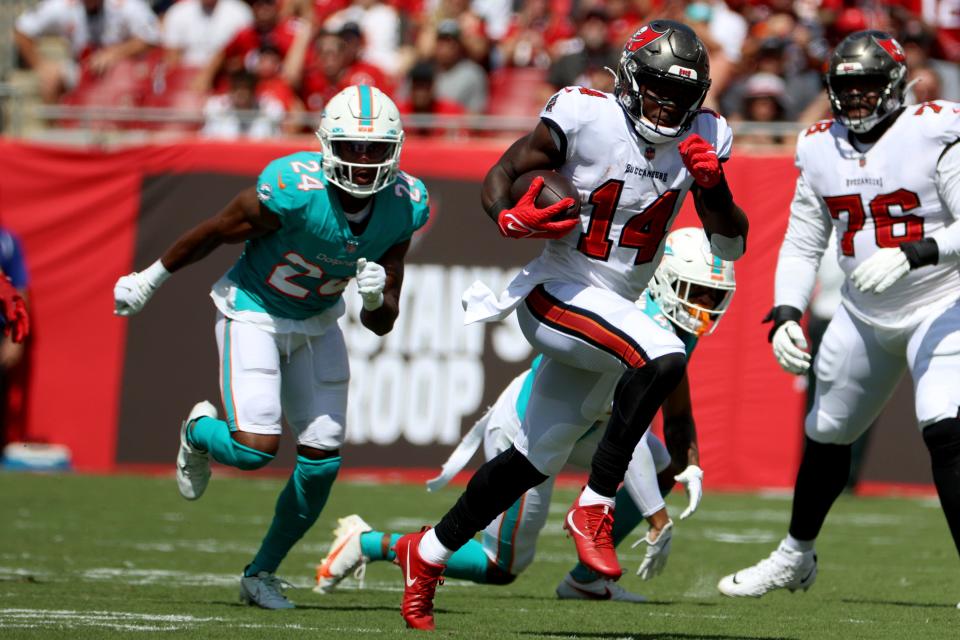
[{"x": 499, "y": 57}]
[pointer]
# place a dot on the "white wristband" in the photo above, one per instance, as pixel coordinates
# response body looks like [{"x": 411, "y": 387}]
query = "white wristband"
[{"x": 156, "y": 274}]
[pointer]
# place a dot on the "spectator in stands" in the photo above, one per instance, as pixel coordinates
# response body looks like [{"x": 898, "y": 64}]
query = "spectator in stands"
[
  {"x": 380, "y": 25},
  {"x": 101, "y": 34},
  {"x": 321, "y": 68},
  {"x": 194, "y": 31},
  {"x": 240, "y": 113},
  {"x": 272, "y": 87},
  {"x": 241, "y": 52},
  {"x": 771, "y": 56},
  {"x": 534, "y": 32},
  {"x": 423, "y": 100},
  {"x": 927, "y": 85},
  {"x": 473, "y": 34},
  {"x": 626, "y": 16},
  {"x": 458, "y": 78},
  {"x": 13, "y": 266},
  {"x": 764, "y": 100},
  {"x": 592, "y": 52}
]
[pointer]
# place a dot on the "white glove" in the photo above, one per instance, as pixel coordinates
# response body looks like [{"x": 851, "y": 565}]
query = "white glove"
[
  {"x": 789, "y": 348},
  {"x": 879, "y": 271},
  {"x": 132, "y": 291},
  {"x": 657, "y": 552},
  {"x": 692, "y": 480},
  {"x": 371, "y": 279}
]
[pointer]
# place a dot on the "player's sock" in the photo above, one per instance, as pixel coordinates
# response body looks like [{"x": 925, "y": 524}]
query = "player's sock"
[
  {"x": 800, "y": 546},
  {"x": 376, "y": 545},
  {"x": 943, "y": 441},
  {"x": 298, "y": 507},
  {"x": 469, "y": 562},
  {"x": 212, "y": 435},
  {"x": 627, "y": 518},
  {"x": 636, "y": 400},
  {"x": 495, "y": 486},
  {"x": 822, "y": 476}
]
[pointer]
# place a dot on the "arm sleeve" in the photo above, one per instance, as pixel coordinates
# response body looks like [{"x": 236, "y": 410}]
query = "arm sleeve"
[
  {"x": 808, "y": 233},
  {"x": 419, "y": 206},
  {"x": 41, "y": 20},
  {"x": 724, "y": 140},
  {"x": 948, "y": 186},
  {"x": 562, "y": 115},
  {"x": 278, "y": 190}
]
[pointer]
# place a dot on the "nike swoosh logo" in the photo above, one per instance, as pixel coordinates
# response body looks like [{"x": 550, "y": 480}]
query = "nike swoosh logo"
[
  {"x": 572, "y": 526},
  {"x": 606, "y": 595},
  {"x": 280, "y": 181},
  {"x": 406, "y": 576},
  {"x": 735, "y": 581},
  {"x": 807, "y": 577}
]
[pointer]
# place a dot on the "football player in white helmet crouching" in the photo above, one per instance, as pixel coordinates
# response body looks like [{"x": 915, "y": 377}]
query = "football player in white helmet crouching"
[
  {"x": 312, "y": 223},
  {"x": 690, "y": 292}
]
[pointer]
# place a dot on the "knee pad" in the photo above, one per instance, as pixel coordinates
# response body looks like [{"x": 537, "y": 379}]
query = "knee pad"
[
  {"x": 943, "y": 442},
  {"x": 249, "y": 459},
  {"x": 497, "y": 576}
]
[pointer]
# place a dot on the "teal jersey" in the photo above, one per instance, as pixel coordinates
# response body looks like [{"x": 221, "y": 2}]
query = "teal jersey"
[
  {"x": 652, "y": 309},
  {"x": 302, "y": 268}
]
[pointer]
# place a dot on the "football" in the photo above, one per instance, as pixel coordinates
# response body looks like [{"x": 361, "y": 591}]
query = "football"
[{"x": 556, "y": 187}]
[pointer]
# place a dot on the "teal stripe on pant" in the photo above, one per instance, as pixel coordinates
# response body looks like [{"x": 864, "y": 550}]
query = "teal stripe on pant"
[
  {"x": 226, "y": 382},
  {"x": 508, "y": 528}
]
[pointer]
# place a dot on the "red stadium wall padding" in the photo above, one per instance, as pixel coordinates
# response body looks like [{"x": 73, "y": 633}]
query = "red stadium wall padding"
[{"x": 79, "y": 213}]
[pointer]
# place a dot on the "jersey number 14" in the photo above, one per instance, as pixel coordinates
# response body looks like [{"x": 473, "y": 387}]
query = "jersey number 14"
[{"x": 643, "y": 232}]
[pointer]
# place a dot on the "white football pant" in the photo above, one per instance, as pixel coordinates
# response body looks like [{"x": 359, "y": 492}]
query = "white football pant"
[
  {"x": 264, "y": 375},
  {"x": 859, "y": 365}
]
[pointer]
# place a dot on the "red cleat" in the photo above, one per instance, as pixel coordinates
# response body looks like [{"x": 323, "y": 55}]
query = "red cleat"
[
  {"x": 591, "y": 528},
  {"x": 420, "y": 580}
]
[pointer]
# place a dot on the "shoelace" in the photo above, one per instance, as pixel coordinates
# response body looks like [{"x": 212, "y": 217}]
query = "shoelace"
[{"x": 602, "y": 535}]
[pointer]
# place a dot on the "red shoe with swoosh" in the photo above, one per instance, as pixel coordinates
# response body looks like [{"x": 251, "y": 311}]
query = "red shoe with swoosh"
[
  {"x": 591, "y": 528},
  {"x": 420, "y": 580}
]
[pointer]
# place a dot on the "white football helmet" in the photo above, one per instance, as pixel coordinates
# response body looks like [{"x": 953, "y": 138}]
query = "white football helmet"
[
  {"x": 686, "y": 270},
  {"x": 360, "y": 123}
]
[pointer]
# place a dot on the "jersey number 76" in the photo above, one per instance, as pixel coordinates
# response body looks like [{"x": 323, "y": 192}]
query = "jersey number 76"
[{"x": 883, "y": 220}]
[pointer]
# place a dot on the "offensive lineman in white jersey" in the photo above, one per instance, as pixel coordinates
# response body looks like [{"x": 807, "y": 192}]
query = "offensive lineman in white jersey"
[
  {"x": 887, "y": 178},
  {"x": 632, "y": 155}
]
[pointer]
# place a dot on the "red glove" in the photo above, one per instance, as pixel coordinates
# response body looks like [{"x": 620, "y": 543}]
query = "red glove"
[
  {"x": 700, "y": 159},
  {"x": 14, "y": 311},
  {"x": 524, "y": 220}
]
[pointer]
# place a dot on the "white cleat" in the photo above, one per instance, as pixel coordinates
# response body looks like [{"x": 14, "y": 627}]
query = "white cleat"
[
  {"x": 599, "y": 589},
  {"x": 193, "y": 465},
  {"x": 264, "y": 590},
  {"x": 345, "y": 556},
  {"x": 783, "y": 569}
]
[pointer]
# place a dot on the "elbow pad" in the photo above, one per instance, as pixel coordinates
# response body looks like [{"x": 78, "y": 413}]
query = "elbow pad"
[{"x": 727, "y": 248}]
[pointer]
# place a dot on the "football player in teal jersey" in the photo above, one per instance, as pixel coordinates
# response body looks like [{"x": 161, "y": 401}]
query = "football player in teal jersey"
[
  {"x": 690, "y": 291},
  {"x": 313, "y": 222}
]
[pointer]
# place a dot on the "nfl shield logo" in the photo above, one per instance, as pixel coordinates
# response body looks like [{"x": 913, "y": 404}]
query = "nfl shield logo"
[
  {"x": 351, "y": 245},
  {"x": 649, "y": 153}
]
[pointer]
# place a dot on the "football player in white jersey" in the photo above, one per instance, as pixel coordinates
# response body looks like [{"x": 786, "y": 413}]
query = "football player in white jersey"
[
  {"x": 633, "y": 156},
  {"x": 885, "y": 178},
  {"x": 690, "y": 292}
]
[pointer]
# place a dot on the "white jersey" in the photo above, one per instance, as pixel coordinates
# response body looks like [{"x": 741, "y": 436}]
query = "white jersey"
[
  {"x": 891, "y": 193},
  {"x": 630, "y": 192}
]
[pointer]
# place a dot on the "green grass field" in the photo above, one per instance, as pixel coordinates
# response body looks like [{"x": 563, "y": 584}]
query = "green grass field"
[{"x": 125, "y": 556}]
